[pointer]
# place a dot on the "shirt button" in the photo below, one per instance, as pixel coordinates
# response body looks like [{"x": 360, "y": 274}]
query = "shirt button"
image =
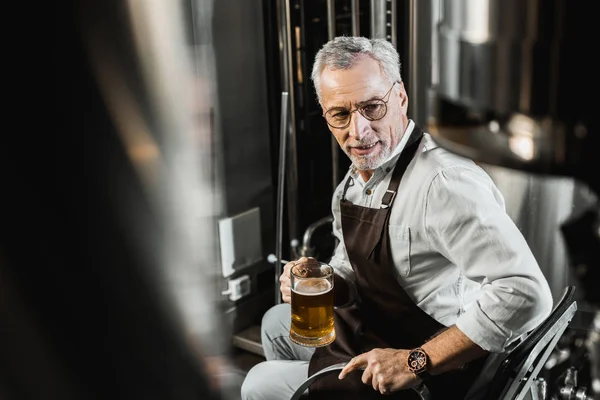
[{"x": 369, "y": 191}]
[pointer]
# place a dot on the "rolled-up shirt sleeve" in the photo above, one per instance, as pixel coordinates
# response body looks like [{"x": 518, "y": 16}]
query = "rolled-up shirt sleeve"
[{"x": 465, "y": 221}]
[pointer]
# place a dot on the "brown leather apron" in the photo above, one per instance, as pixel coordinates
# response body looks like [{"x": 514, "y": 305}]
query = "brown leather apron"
[{"x": 384, "y": 316}]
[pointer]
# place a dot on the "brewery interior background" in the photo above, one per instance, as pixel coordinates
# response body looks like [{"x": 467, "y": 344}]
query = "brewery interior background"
[{"x": 194, "y": 148}]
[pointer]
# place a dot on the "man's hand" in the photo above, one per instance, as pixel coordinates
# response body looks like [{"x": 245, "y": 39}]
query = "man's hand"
[
  {"x": 384, "y": 369},
  {"x": 284, "y": 279}
]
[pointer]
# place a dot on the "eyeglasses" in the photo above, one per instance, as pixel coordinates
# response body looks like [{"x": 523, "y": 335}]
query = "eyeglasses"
[{"x": 373, "y": 110}]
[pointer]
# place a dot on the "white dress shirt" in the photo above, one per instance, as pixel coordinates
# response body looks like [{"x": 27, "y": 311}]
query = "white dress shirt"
[{"x": 458, "y": 254}]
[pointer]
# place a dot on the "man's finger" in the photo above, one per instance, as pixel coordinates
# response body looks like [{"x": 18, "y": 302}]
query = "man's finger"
[
  {"x": 375, "y": 383},
  {"x": 287, "y": 267},
  {"x": 354, "y": 364},
  {"x": 367, "y": 376},
  {"x": 380, "y": 385}
]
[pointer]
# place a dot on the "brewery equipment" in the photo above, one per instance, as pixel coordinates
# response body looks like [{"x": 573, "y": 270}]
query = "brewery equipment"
[{"x": 509, "y": 89}]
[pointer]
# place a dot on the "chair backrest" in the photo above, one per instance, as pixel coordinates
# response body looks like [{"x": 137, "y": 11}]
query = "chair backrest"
[{"x": 517, "y": 372}]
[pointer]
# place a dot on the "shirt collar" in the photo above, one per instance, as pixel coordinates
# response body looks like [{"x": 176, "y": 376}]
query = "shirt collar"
[{"x": 402, "y": 144}]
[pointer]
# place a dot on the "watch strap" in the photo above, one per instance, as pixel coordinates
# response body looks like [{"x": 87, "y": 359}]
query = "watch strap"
[{"x": 423, "y": 375}]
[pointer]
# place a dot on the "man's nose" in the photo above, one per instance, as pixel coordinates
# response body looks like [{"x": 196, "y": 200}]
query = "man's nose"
[{"x": 359, "y": 126}]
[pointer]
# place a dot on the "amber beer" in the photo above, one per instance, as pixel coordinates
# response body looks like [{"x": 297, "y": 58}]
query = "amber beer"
[{"x": 312, "y": 304}]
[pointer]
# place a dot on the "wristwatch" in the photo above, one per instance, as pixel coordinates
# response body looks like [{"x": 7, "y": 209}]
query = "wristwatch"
[{"x": 417, "y": 363}]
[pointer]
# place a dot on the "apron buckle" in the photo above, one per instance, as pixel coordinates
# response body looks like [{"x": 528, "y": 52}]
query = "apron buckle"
[{"x": 388, "y": 198}]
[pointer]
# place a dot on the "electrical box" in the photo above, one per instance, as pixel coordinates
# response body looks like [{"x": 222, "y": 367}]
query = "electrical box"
[
  {"x": 240, "y": 241},
  {"x": 238, "y": 287}
]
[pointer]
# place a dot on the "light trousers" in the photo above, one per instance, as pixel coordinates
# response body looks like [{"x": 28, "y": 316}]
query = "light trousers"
[{"x": 286, "y": 367}]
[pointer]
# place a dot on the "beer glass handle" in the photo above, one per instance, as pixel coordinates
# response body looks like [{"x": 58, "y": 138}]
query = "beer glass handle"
[{"x": 421, "y": 389}]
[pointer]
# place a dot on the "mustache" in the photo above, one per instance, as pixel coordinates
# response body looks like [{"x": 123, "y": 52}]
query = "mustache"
[{"x": 362, "y": 144}]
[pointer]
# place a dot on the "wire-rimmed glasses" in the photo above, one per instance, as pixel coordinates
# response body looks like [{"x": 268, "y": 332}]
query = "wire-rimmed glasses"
[{"x": 373, "y": 110}]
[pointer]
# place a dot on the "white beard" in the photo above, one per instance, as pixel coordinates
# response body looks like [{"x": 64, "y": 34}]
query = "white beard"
[{"x": 371, "y": 162}]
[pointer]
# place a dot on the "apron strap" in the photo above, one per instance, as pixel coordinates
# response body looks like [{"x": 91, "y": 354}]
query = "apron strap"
[
  {"x": 405, "y": 158},
  {"x": 349, "y": 183}
]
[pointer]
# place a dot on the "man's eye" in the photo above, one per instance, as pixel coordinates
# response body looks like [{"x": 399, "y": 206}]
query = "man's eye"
[
  {"x": 371, "y": 107},
  {"x": 341, "y": 114}
]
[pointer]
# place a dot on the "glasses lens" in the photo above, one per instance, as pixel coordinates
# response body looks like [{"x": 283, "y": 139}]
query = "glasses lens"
[
  {"x": 340, "y": 117},
  {"x": 337, "y": 117},
  {"x": 374, "y": 110}
]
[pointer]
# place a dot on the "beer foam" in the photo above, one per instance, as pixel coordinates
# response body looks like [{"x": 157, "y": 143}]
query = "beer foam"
[{"x": 312, "y": 287}]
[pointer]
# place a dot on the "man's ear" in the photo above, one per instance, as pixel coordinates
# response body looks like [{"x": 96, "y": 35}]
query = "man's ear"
[{"x": 403, "y": 98}]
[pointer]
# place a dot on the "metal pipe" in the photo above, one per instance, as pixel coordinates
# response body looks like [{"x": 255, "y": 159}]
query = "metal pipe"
[
  {"x": 420, "y": 59},
  {"x": 282, "y": 38},
  {"x": 394, "y": 22},
  {"x": 287, "y": 84},
  {"x": 281, "y": 187},
  {"x": 413, "y": 51},
  {"x": 355, "y": 10},
  {"x": 593, "y": 347},
  {"x": 335, "y": 167},
  {"x": 330, "y": 19},
  {"x": 436, "y": 16},
  {"x": 307, "y": 250},
  {"x": 374, "y": 13},
  {"x": 292, "y": 171},
  {"x": 539, "y": 389},
  {"x": 378, "y": 20}
]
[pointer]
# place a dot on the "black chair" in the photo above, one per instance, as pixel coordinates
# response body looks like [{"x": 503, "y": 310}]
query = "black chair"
[
  {"x": 337, "y": 368},
  {"x": 517, "y": 374}
]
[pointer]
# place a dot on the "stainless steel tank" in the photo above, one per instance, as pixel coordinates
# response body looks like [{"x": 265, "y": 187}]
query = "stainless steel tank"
[
  {"x": 512, "y": 90},
  {"x": 513, "y": 83},
  {"x": 509, "y": 90}
]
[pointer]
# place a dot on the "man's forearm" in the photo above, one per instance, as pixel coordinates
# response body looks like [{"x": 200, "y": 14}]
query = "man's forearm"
[{"x": 450, "y": 350}]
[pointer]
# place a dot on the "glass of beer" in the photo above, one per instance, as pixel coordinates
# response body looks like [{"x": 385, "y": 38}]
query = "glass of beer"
[{"x": 312, "y": 304}]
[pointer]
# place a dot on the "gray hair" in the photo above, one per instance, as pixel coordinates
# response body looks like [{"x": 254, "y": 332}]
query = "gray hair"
[{"x": 341, "y": 53}]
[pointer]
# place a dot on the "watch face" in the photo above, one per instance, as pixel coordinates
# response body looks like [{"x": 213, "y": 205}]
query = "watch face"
[{"x": 417, "y": 360}]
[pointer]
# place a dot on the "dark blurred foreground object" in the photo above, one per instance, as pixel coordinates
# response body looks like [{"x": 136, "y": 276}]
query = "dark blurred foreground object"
[
  {"x": 515, "y": 89},
  {"x": 87, "y": 311}
]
